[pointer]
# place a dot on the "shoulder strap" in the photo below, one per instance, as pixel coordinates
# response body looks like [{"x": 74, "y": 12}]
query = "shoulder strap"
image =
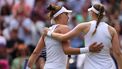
[{"x": 52, "y": 28}]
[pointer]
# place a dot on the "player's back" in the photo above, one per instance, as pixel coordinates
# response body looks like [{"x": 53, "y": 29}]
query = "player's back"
[{"x": 101, "y": 60}]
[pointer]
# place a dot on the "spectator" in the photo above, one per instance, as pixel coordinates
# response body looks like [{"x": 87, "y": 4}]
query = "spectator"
[
  {"x": 13, "y": 24},
  {"x": 13, "y": 40},
  {"x": 27, "y": 33},
  {"x": 4, "y": 63},
  {"x": 39, "y": 10},
  {"x": 21, "y": 9},
  {"x": 76, "y": 5},
  {"x": 22, "y": 52}
]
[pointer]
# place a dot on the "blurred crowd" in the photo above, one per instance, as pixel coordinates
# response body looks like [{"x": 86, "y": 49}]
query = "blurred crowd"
[{"x": 22, "y": 23}]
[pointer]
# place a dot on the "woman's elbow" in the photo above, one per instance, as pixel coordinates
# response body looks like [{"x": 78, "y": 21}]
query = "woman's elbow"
[
  {"x": 66, "y": 52},
  {"x": 117, "y": 53},
  {"x": 63, "y": 38}
]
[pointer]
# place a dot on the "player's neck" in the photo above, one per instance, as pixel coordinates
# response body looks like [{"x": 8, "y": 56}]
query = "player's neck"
[{"x": 95, "y": 18}]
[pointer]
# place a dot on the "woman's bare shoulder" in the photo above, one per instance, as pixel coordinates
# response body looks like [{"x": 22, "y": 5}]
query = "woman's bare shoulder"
[
  {"x": 111, "y": 30},
  {"x": 63, "y": 28}
]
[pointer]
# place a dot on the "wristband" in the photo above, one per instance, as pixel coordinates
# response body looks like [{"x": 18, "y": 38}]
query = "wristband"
[
  {"x": 51, "y": 30},
  {"x": 49, "y": 33},
  {"x": 84, "y": 50}
]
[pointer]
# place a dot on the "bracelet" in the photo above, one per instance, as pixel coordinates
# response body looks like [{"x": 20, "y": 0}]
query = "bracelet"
[{"x": 84, "y": 50}]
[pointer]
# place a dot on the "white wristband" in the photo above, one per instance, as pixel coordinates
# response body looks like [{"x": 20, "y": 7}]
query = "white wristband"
[
  {"x": 51, "y": 30},
  {"x": 28, "y": 67},
  {"x": 49, "y": 33},
  {"x": 84, "y": 50}
]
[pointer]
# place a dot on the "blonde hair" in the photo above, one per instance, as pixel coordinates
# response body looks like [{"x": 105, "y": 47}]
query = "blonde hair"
[
  {"x": 52, "y": 10},
  {"x": 100, "y": 8}
]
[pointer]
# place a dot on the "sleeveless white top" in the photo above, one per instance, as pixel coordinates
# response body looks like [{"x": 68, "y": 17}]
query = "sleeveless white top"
[
  {"x": 55, "y": 57},
  {"x": 101, "y": 60}
]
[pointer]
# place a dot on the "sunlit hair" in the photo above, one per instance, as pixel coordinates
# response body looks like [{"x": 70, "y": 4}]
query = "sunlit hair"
[
  {"x": 101, "y": 10},
  {"x": 52, "y": 10}
]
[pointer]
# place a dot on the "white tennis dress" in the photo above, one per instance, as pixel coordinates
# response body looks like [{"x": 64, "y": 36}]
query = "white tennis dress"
[
  {"x": 101, "y": 60},
  {"x": 55, "y": 57}
]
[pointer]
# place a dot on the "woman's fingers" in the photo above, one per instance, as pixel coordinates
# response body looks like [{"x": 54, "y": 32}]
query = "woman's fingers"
[
  {"x": 45, "y": 31},
  {"x": 100, "y": 46},
  {"x": 96, "y": 47}
]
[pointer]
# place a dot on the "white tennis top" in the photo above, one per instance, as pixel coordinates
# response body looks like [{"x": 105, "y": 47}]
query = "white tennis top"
[
  {"x": 103, "y": 59},
  {"x": 55, "y": 57}
]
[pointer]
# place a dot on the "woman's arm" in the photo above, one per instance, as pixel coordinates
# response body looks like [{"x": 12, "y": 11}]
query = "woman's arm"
[
  {"x": 116, "y": 47},
  {"x": 69, "y": 50},
  {"x": 94, "y": 48},
  {"x": 76, "y": 31},
  {"x": 36, "y": 52}
]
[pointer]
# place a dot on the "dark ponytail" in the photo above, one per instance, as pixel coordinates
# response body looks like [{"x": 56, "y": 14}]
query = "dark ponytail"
[
  {"x": 52, "y": 10},
  {"x": 101, "y": 10}
]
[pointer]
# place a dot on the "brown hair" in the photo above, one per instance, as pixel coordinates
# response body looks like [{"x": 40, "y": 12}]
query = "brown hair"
[
  {"x": 52, "y": 10},
  {"x": 100, "y": 8}
]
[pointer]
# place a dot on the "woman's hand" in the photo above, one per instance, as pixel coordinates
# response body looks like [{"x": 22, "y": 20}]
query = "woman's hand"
[
  {"x": 45, "y": 31},
  {"x": 96, "y": 47}
]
